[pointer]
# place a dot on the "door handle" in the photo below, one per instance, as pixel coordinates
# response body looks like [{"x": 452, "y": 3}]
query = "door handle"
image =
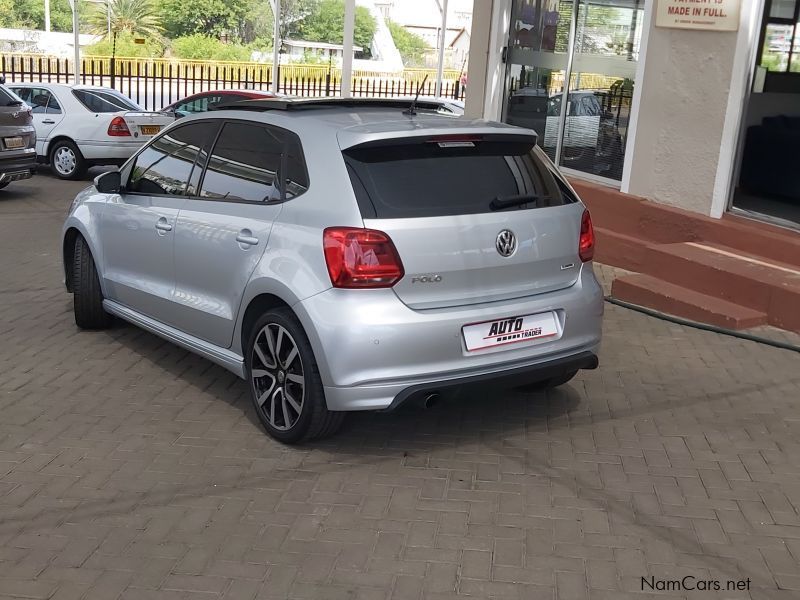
[
  {"x": 162, "y": 225},
  {"x": 49, "y": 122},
  {"x": 247, "y": 240}
]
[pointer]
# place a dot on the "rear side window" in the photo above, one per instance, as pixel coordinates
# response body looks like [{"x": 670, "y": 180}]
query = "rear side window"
[
  {"x": 247, "y": 162},
  {"x": 99, "y": 101},
  {"x": 435, "y": 179}
]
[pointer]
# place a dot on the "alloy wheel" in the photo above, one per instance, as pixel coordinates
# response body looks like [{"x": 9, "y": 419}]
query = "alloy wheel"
[
  {"x": 65, "y": 160},
  {"x": 277, "y": 376}
]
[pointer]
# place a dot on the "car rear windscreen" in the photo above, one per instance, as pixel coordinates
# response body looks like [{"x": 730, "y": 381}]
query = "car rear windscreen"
[
  {"x": 98, "y": 101},
  {"x": 433, "y": 178},
  {"x": 8, "y": 98}
]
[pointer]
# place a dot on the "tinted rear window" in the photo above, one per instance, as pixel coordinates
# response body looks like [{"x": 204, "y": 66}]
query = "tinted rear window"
[
  {"x": 98, "y": 101},
  {"x": 425, "y": 179},
  {"x": 8, "y": 98}
]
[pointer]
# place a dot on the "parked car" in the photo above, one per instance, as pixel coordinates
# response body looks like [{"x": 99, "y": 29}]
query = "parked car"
[
  {"x": 198, "y": 103},
  {"x": 592, "y": 138},
  {"x": 288, "y": 243},
  {"x": 78, "y": 126},
  {"x": 17, "y": 138}
]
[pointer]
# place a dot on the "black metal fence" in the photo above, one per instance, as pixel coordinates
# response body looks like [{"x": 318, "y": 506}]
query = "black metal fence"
[{"x": 155, "y": 83}]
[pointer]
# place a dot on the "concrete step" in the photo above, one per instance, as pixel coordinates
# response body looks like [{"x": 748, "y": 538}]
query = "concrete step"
[
  {"x": 672, "y": 299},
  {"x": 620, "y": 250},
  {"x": 655, "y": 223},
  {"x": 723, "y": 273}
]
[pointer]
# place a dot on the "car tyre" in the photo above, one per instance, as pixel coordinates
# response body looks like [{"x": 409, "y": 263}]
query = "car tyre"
[
  {"x": 87, "y": 298},
  {"x": 285, "y": 385},
  {"x": 3, "y": 184},
  {"x": 67, "y": 161}
]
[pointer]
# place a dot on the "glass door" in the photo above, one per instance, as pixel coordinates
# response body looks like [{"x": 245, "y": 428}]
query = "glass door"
[
  {"x": 537, "y": 59},
  {"x": 582, "y": 119}
]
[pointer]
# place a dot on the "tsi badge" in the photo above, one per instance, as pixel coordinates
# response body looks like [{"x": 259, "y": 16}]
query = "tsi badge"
[{"x": 429, "y": 278}]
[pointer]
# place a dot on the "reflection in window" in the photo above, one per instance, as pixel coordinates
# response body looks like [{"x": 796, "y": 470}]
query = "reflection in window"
[
  {"x": 781, "y": 37},
  {"x": 165, "y": 167},
  {"x": 245, "y": 163}
]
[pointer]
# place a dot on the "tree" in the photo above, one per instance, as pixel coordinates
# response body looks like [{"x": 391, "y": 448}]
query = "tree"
[
  {"x": 242, "y": 21},
  {"x": 326, "y": 24},
  {"x": 412, "y": 47},
  {"x": 29, "y": 14},
  {"x": 138, "y": 18}
]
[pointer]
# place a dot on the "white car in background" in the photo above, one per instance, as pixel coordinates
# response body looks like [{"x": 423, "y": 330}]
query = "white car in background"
[{"x": 78, "y": 126}]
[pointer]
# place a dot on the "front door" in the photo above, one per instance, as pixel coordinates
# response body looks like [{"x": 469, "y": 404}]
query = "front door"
[
  {"x": 138, "y": 225},
  {"x": 224, "y": 230}
]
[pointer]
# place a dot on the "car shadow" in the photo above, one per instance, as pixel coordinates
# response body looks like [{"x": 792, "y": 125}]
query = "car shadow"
[{"x": 480, "y": 410}]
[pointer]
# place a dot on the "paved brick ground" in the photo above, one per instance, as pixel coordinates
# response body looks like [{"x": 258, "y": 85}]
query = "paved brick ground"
[{"x": 130, "y": 469}]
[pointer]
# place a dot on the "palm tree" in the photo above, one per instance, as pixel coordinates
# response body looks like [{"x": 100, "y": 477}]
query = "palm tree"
[{"x": 136, "y": 17}]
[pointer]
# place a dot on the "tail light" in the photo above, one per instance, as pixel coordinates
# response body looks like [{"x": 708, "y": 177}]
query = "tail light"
[
  {"x": 361, "y": 258},
  {"x": 586, "y": 243},
  {"x": 118, "y": 127}
]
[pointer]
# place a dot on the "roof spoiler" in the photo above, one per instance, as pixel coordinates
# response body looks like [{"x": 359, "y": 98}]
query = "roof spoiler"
[{"x": 293, "y": 104}]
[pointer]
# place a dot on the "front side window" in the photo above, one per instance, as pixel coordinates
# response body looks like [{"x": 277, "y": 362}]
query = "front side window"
[
  {"x": 167, "y": 165},
  {"x": 102, "y": 101},
  {"x": 244, "y": 164},
  {"x": 40, "y": 100}
]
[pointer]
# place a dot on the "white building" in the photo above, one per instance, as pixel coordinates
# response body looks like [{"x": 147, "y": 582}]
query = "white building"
[{"x": 52, "y": 43}]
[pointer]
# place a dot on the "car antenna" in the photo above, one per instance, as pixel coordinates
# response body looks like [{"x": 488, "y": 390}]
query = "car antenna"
[{"x": 412, "y": 110}]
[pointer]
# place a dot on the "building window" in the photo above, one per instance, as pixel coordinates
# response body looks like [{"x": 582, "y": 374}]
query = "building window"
[
  {"x": 780, "y": 49},
  {"x": 593, "y": 71}
]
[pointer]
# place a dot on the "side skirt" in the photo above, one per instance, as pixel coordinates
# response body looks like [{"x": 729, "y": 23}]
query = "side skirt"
[{"x": 221, "y": 356}]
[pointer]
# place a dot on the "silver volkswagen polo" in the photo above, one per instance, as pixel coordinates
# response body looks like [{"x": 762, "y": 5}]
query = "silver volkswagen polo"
[{"x": 343, "y": 255}]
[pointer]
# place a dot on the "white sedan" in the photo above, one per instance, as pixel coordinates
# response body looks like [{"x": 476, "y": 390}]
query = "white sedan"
[{"x": 78, "y": 126}]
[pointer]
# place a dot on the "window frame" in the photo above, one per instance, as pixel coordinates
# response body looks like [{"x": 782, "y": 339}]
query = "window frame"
[
  {"x": 76, "y": 93},
  {"x": 131, "y": 164},
  {"x": 287, "y": 134},
  {"x": 220, "y": 123},
  {"x": 793, "y": 22}
]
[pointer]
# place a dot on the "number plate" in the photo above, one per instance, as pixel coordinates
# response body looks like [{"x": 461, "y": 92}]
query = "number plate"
[
  {"x": 13, "y": 143},
  {"x": 150, "y": 129},
  {"x": 512, "y": 330}
]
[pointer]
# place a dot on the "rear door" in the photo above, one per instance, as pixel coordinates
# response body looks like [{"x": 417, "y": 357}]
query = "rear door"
[
  {"x": 223, "y": 230},
  {"x": 434, "y": 197}
]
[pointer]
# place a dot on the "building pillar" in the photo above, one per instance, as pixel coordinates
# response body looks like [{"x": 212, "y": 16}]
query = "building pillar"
[
  {"x": 486, "y": 71},
  {"x": 682, "y": 87}
]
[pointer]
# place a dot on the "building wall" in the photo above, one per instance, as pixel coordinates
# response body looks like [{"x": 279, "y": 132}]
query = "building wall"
[{"x": 684, "y": 81}]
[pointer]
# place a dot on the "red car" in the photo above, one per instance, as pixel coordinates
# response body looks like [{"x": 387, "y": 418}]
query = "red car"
[{"x": 198, "y": 103}]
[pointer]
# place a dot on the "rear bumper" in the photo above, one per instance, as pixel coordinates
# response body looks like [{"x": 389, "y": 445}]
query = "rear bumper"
[
  {"x": 18, "y": 165},
  {"x": 392, "y": 396},
  {"x": 371, "y": 348},
  {"x": 508, "y": 378}
]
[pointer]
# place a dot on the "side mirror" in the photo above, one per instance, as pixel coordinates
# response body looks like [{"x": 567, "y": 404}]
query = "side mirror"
[{"x": 108, "y": 183}]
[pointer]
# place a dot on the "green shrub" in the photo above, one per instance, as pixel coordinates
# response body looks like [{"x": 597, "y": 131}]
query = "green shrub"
[
  {"x": 126, "y": 47},
  {"x": 202, "y": 47}
]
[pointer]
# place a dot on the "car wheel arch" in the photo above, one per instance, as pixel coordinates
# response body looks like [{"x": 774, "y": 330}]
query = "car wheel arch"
[
  {"x": 69, "y": 239},
  {"x": 48, "y": 145}
]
